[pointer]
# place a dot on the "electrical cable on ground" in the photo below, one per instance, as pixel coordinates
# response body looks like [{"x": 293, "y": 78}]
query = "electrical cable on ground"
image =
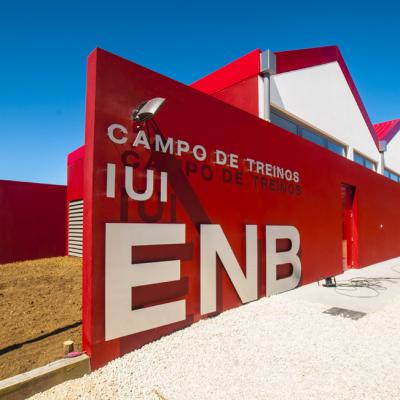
[{"x": 375, "y": 284}]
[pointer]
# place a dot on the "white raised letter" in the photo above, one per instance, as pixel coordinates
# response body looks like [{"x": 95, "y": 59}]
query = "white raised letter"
[
  {"x": 182, "y": 147},
  {"x": 199, "y": 152},
  {"x": 166, "y": 147},
  {"x": 273, "y": 233},
  {"x": 110, "y": 133},
  {"x": 164, "y": 187},
  {"x": 141, "y": 138},
  {"x": 129, "y": 185},
  {"x": 213, "y": 242},
  {"x": 220, "y": 157},
  {"x": 121, "y": 275},
  {"x": 110, "y": 187}
]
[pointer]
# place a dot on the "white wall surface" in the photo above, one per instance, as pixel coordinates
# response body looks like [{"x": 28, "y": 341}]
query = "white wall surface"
[
  {"x": 392, "y": 155},
  {"x": 321, "y": 96}
]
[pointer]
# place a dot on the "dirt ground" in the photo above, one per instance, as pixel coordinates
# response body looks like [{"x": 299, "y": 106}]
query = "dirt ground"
[{"x": 40, "y": 303}]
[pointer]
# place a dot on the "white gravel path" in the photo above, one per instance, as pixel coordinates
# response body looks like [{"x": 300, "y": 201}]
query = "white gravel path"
[{"x": 274, "y": 348}]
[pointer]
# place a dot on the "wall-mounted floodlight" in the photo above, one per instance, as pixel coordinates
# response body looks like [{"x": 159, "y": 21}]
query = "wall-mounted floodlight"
[{"x": 147, "y": 109}]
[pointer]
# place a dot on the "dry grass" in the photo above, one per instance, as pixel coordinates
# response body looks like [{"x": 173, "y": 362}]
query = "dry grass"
[{"x": 36, "y": 298}]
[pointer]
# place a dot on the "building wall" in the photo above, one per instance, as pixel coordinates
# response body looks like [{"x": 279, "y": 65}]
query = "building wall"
[
  {"x": 75, "y": 162},
  {"x": 315, "y": 210},
  {"x": 392, "y": 155},
  {"x": 243, "y": 95},
  {"x": 237, "y": 71},
  {"x": 32, "y": 220},
  {"x": 321, "y": 96},
  {"x": 235, "y": 83},
  {"x": 75, "y": 205}
]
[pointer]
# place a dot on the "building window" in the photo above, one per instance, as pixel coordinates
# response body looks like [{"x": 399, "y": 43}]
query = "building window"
[
  {"x": 391, "y": 175},
  {"x": 312, "y": 137},
  {"x": 284, "y": 123},
  {"x": 306, "y": 133},
  {"x": 336, "y": 148},
  {"x": 359, "y": 159}
]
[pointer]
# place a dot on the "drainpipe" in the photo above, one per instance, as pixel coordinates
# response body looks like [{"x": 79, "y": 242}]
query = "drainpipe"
[
  {"x": 267, "y": 68},
  {"x": 382, "y": 148}
]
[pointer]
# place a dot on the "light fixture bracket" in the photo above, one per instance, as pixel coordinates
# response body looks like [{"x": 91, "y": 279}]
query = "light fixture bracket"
[{"x": 147, "y": 109}]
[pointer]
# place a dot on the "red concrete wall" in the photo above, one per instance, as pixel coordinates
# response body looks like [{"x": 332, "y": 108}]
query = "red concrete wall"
[
  {"x": 243, "y": 95},
  {"x": 75, "y": 174},
  {"x": 32, "y": 220},
  {"x": 114, "y": 87},
  {"x": 239, "y": 70},
  {"x": 235, "y": 83}
]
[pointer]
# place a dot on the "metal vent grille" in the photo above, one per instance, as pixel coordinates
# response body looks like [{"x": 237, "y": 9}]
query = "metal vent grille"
[{"x": 75, "y": 228}]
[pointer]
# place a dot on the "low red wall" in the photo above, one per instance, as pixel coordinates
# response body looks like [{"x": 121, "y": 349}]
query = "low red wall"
[{"x": 32, "y": 220}]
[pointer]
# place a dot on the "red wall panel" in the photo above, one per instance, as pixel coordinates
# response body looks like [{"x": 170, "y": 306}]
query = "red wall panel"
[
  {"x": 75, "y": 174},
  {"x": 243, "y": 95},
  {"x": 239, "y": 70},
  {"x": 114, "y": 87},
  {"x": 32, "y": 220}
]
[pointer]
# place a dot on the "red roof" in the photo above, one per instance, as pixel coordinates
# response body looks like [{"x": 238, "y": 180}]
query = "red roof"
[
  {"x": 298, "y": 59},
  {"x": 286, "y": 61},
  {"x": 387, "y": 130},
  {"x": 249, "y": 65}
]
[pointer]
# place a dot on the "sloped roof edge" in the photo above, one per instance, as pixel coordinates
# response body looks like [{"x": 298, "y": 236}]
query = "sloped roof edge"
[
  {"x": 298, "y": 59},
  {"x": 387, "y": 130},
  {"x": 230, "y": 74}
]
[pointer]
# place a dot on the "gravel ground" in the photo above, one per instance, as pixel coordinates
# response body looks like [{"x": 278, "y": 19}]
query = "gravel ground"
[{"x": 274, "y": 348}]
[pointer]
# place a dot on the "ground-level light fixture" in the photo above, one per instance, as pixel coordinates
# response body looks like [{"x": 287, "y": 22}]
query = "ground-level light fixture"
[
  {"x": 330, "y": 281},
  {"x": 147, "y": 109}
]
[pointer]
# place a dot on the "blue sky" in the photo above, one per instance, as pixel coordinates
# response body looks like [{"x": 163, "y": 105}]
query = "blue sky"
[{"x": 44, "y": 45}]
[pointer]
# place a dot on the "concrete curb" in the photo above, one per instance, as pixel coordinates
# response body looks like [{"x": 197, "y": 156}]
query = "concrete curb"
[{"x": 21, "y": 386}]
